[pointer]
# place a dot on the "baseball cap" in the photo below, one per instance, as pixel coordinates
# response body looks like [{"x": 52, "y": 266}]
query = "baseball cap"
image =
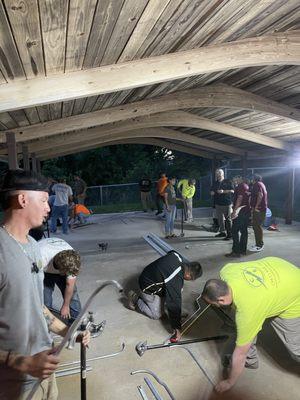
[{"x": 23, "y": 180}]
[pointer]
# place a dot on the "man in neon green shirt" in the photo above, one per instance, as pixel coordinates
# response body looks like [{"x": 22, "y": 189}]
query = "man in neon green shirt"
[
  {"x": 187, "y": 189},
  {"x": 261, "y": 289}
]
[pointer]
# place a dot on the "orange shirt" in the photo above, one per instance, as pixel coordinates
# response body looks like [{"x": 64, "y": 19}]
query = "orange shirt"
[
  {"x": 80, "y": 208},
  {"x": 162, "y": 183}
]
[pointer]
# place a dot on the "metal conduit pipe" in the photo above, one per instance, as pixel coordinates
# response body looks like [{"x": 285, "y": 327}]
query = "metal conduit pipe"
[
  {"x": 142, "y": 393},
  {"x": 199, "y": 365},
  {"x": 94, "y": 358},
  {"x": 152, "y": 388},
  {"x": 158, "y": 380}
]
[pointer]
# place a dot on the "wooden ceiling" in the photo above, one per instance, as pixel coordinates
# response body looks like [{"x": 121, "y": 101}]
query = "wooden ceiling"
[{"x": 209, "y": 77}]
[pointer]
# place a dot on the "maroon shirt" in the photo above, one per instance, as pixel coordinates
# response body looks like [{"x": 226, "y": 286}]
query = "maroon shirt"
[
  {"x": 257, "y": 188},
  {"x": 242, "y": 190}
]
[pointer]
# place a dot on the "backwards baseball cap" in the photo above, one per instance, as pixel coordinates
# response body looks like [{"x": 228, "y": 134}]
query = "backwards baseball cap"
[{"x": 23, "y": 180}]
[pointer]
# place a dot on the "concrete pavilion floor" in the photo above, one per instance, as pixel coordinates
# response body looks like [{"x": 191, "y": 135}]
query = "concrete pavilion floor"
[{"x": 126, "y": 256}]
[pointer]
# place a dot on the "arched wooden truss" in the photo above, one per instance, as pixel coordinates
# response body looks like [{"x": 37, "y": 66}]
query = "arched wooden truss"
[{"x": 275, "y": 49}]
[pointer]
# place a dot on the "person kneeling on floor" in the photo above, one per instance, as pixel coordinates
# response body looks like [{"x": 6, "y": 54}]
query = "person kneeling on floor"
[
  {"x": 161, "y": 283},
  {"x": 260, "y": 289}
]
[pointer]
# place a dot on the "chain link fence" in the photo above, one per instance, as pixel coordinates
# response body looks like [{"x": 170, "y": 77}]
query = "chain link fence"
[{"x": 127, "y": 196}]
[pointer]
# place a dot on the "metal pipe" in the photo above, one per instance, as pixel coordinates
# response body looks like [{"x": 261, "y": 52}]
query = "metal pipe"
[
  {"x": 152, "y": 388},
  {"x": 195, "y": 319},
  {"x": 158, "y": 380},
  {"x": 71, "y": 371},
  {"x": 95, "y": 358},
  {"x": 75, "y": 325},
  {"x": 142, "y": 393},
  {"x": 199, "y": 365}
]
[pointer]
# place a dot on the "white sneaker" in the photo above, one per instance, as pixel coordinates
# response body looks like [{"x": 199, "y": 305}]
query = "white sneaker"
[{"x": 256, "y": 248}]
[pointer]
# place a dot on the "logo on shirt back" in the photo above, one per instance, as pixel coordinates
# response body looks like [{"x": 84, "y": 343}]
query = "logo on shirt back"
[{"x": 254, "y": 276}]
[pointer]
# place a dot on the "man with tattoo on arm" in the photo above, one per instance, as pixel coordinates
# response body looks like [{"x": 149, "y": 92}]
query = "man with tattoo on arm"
[{"x": 26, "y": 347}]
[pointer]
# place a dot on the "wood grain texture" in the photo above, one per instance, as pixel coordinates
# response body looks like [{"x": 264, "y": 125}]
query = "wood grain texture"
[
  {"x": 105, "y": 18},
  {"x": 10, "y": 63},
  {"x": 125, "y": 24},
  {"x": 81, "y": 14},
  {"x": 24, "y": 21},
  {"x": 53, "y": 14}
]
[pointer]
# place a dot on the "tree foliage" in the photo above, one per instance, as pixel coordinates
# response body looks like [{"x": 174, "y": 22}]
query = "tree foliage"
[{"x": 125, "y": 163}]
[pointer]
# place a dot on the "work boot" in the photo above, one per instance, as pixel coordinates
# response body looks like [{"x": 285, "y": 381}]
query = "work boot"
[
  {"x": 221, "y": 234},
  {"x": 233, "y": 255},
  {"x": 132, "y": 299}
]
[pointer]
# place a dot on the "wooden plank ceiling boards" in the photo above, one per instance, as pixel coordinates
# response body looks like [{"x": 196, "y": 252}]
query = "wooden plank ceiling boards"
[{"x": 210, "y": 76}]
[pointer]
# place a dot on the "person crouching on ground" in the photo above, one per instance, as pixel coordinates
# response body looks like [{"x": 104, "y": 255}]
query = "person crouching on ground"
[
  {"x": 61, "y": 264},
  {"x": 161, "y": 283},
  {"x": 259, "y": 289}
]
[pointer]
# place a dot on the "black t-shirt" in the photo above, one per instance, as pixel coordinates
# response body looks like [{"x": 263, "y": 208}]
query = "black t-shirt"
[
  {"x": 145, "y": 185},
  {"x": 223, "y": 199}
]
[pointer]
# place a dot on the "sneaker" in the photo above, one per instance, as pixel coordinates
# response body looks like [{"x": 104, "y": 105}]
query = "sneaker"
[
  {"x": 233, "y": 255},
  {"x": 253, "y": 365},
  {"x": 221, "y": 234},
  {"x": 132, "y": 299},
  {"x": 256, "y": 248},
  {"x": 167, "y": 237}
]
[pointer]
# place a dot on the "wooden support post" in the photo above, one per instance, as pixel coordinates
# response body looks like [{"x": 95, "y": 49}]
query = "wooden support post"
[
  {"x": 33, "y": 162},
  {"x": 290, "y": 197},
  {"x": 38, "y": 165},
  {"x": 12, "y": 150},
  {"x": 244, "y": 165},
  {"x": 26, "y": 161}
]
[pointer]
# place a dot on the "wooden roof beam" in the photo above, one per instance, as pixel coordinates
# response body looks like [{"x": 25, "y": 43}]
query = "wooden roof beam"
[
  {"x": 148, "y": 141},
  {"x": 275, "y": 49},
  {"x": 160, "y": 133},
  {"x": 220, "y": 96}
]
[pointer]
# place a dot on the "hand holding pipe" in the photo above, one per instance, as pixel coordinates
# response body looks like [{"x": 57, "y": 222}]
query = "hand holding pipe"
[{"x": 76, "y": 324}]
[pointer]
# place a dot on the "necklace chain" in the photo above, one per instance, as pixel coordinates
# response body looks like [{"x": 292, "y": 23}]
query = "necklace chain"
[{"x": 34, "y": 264}]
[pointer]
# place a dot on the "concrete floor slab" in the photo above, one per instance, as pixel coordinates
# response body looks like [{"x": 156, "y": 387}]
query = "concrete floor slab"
[{"x": 126, "y": 256}]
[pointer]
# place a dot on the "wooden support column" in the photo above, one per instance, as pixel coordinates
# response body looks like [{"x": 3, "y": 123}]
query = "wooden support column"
[
  {"x": 244, "y": 165},
  {"x": 26, "y": 161},
  {"x": 290, "y": 197},
  {"x": 12, "y": 150},
  {"x": 38, "y": 165},
  {"x": 33, "y": 162}
]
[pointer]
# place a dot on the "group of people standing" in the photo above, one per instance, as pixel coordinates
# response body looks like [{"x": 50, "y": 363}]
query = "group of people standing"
[
  {"x": 66, "y": 202},
  {"x": 236, "y": 203},
  {"x": 167, "y": 197}
]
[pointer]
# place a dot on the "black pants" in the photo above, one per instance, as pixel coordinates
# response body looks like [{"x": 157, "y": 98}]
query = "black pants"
[{"x": 240, "y": 233}]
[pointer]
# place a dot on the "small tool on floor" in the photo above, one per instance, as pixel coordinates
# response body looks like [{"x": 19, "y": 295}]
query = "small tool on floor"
[
  {"x": 142, "y": 347},
  {"x": 103, "y": 246}
]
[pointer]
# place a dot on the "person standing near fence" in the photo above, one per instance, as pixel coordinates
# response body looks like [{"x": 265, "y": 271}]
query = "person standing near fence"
[
  {"x": 222, "y": 190},
  {"x": 187, "y": 189},
  {"x": 79, "y": 190},
  {"x": 63, "y": 195},
  {"x": 259, "y": 204},
  {"x": 170, "y": 208},
  {"x": 145, "y": 186},
  {"x": 240, "y": 218},
  {"x": 160, "y": 188}
]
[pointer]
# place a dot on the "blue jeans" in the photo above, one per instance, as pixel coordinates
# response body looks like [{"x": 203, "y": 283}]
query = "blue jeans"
[
  {"x": 50, "y": 281},
  {"x": 59, "y": 211},
  {"x": 170, "y": 219}
]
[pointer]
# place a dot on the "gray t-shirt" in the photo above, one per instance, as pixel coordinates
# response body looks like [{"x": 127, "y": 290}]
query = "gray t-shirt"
[
  {"x": 23, "y": 328},
  {"x": 62, "y": 194}
]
